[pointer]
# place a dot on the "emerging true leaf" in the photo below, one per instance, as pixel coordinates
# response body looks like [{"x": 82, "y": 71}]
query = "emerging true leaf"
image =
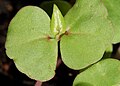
[
  {"x": 113, "y": 7},
  {"x": 103, "y": 73},
  {"x": 57, "y": 22},
  {"x": 63, "y": 5},
  {"x": 29, "y": 45},
  {"x": 89, "y": 34}
]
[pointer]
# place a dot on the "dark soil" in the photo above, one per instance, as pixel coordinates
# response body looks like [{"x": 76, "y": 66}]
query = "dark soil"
[{"x": 9, "y": 75}]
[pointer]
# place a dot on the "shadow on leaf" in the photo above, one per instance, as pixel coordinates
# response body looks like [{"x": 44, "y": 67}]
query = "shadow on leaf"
[{"x": 83, "y": 84}]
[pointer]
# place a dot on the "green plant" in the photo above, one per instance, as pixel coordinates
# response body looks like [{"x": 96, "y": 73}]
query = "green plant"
[
  {"x": 85, "y": 33},
  {"x": 62, "y": 5}
]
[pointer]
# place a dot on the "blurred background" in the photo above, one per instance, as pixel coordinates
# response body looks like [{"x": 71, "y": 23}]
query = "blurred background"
[{"x": 9, "y": 75}]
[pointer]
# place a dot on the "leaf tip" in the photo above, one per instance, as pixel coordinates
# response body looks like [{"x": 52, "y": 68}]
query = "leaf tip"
[{"x": 57, "y": 21}]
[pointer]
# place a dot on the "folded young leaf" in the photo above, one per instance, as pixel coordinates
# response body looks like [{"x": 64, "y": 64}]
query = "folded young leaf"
[
  {"x": 113, "y": 7},
  {"x": 103, "y": 73},
  {"x": 57, "y": 22},
  {"x": 63, "y": 5},
  {"x": 89, "y": 33},
  {"x": 29, "y": 45}
]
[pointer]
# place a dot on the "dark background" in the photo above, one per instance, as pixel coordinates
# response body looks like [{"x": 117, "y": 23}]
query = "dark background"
[{"x": 9, "y": 75}]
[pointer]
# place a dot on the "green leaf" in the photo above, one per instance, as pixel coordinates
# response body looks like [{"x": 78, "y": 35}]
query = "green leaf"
[
  {"x": 108, "y": 52},
  {"x": 29, "y": 45},
  {"x": 103, "y": 73},
  {"x": 57, "y": 22},
  {"x": 89, "y": 33},
  {"x": 62, "y": 5},
  {"x": 114, "y": 15},
  {"x": 79, "y": 51}
]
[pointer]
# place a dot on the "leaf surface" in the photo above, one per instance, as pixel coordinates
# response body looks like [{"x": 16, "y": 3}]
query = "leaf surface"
[
  {"x": 79, "y": 49},
  {"x": 57, "y": 22},
  {"x": 87, "y": 20},
  {"x": 103, "y": 73},
  {"x": 113, "y": 7},
  {"x": 29, "y": 45}
]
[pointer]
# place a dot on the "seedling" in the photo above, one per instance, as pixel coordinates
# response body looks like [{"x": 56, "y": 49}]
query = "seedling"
[{"x": 84, "y": 34}]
